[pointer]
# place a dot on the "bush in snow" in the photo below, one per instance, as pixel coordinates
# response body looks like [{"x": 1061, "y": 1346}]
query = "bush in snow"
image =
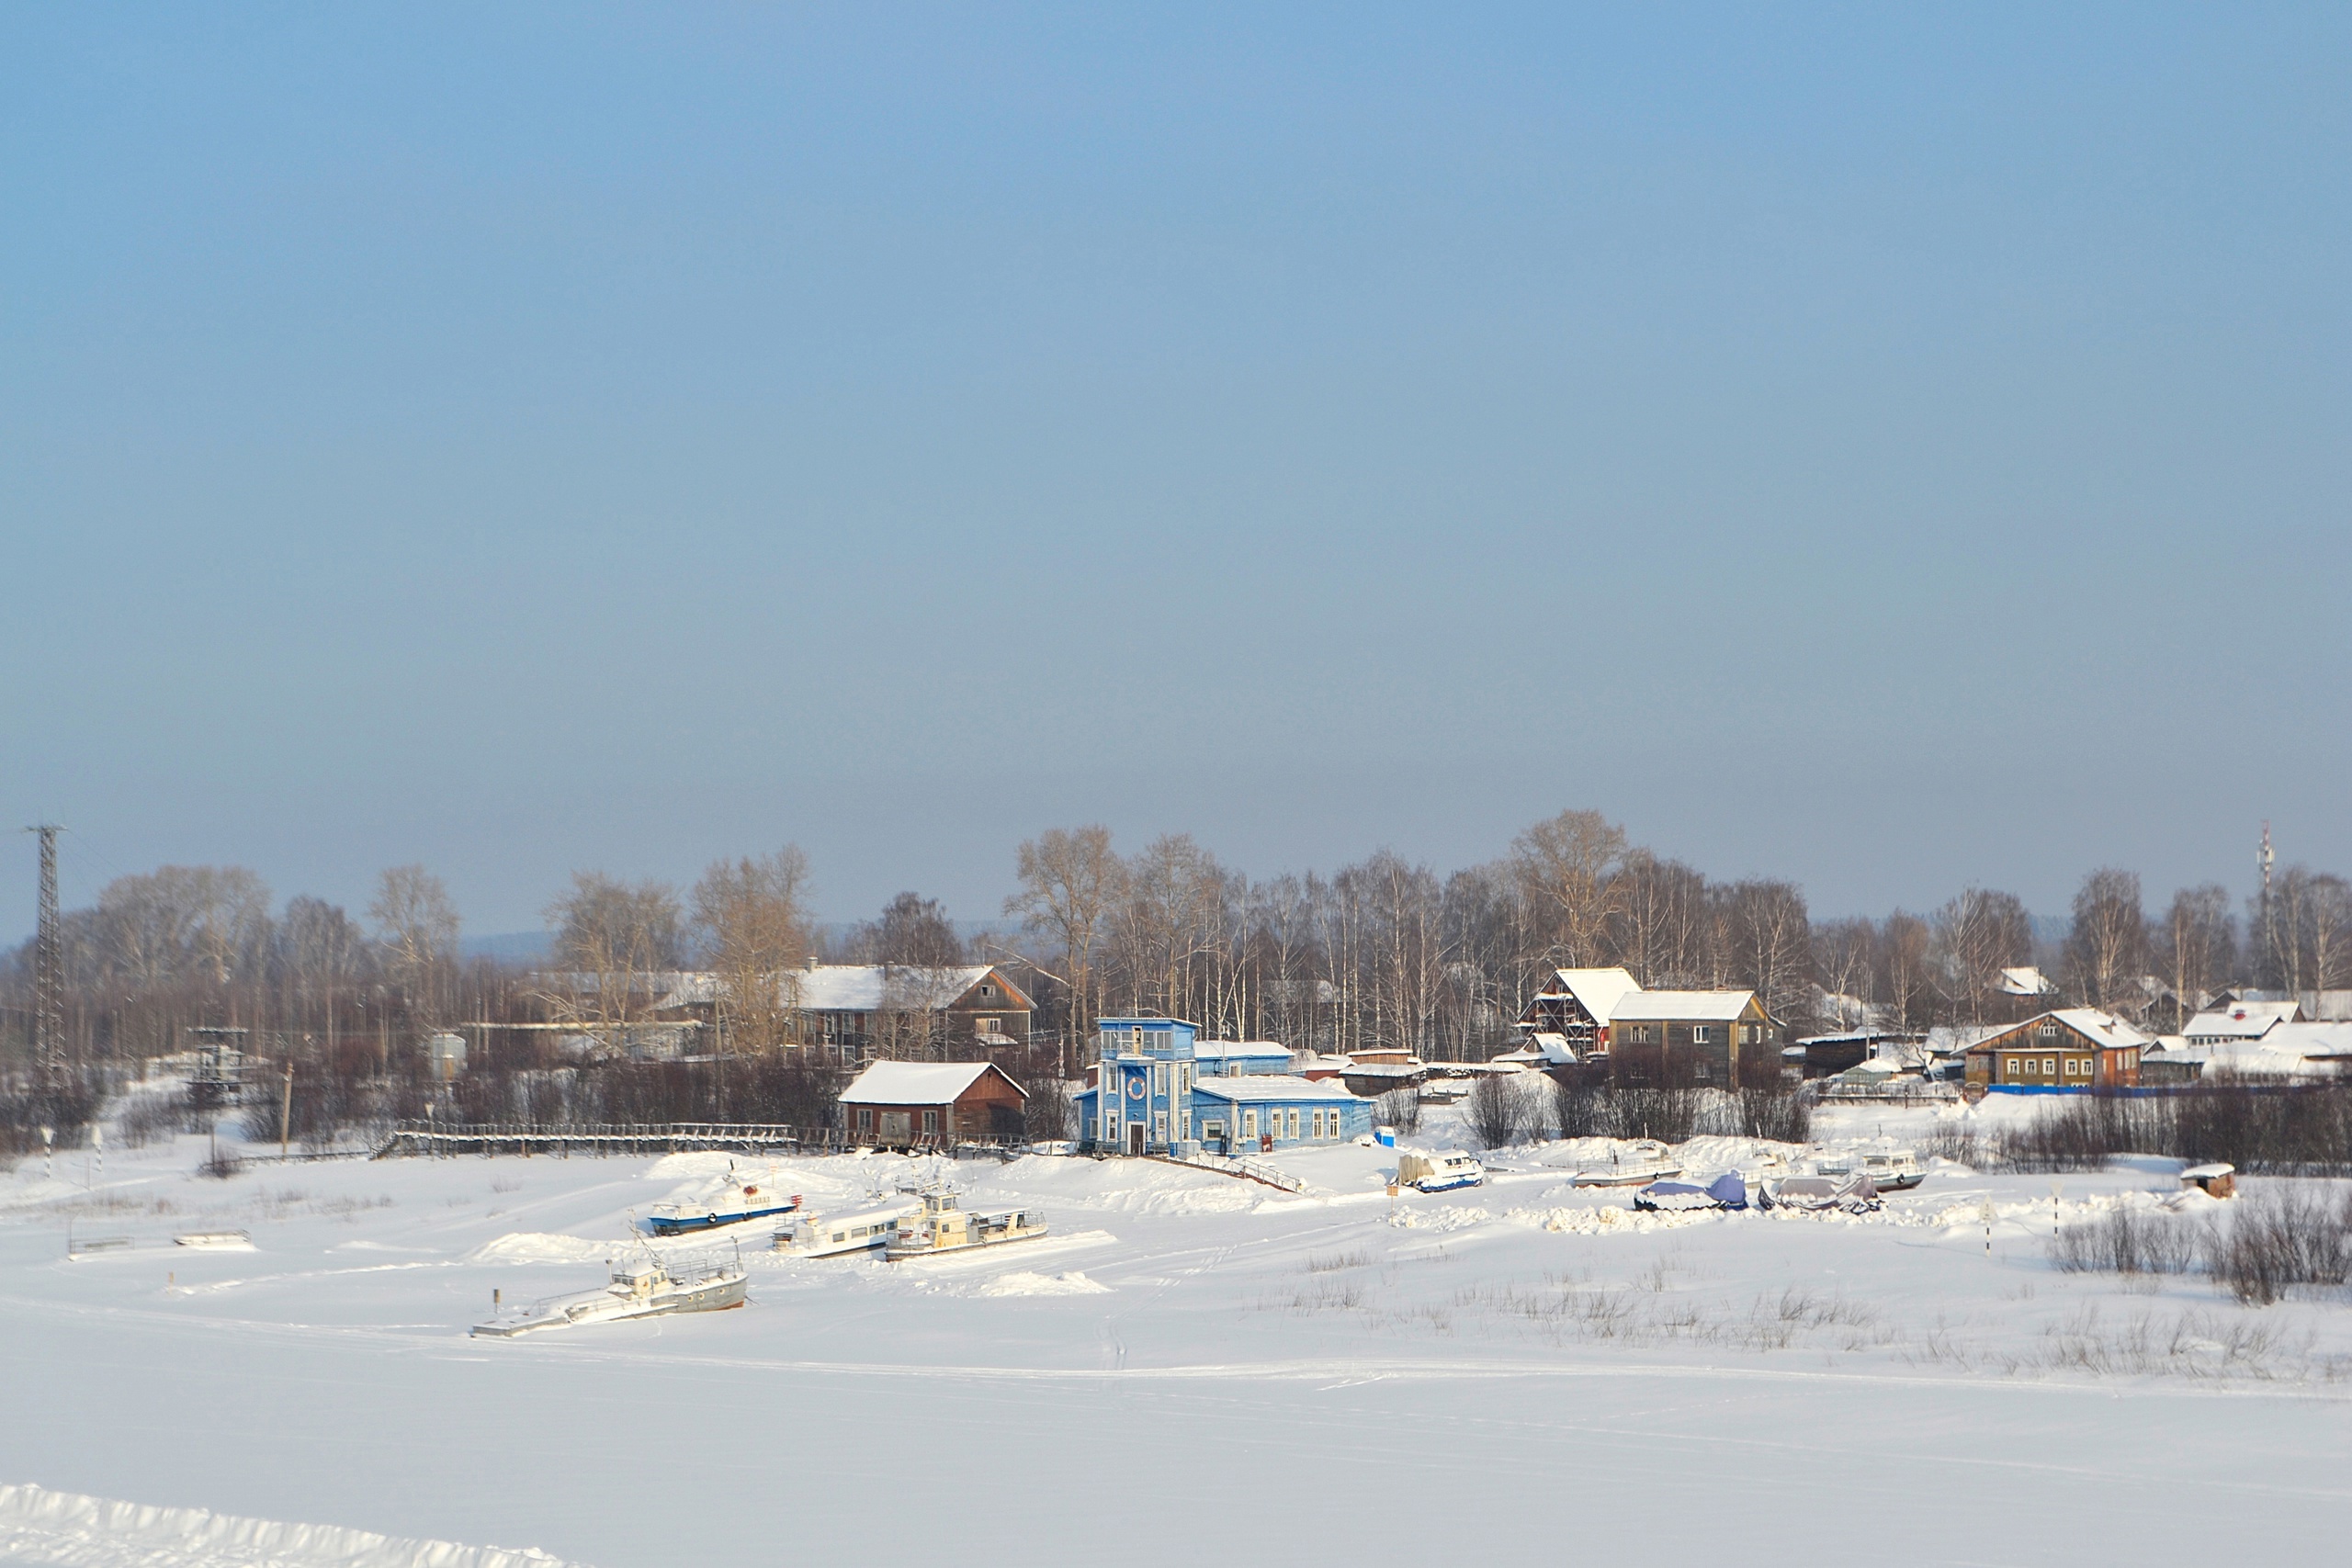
[
  {"x": 1400, "y": 1108},
  {"x": 1504, "y": 1108}
]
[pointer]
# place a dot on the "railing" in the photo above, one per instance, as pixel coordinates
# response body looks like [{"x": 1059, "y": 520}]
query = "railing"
[
  {"x": 437, "y": 1138},
  {"x": 1247, "y": 1169}
]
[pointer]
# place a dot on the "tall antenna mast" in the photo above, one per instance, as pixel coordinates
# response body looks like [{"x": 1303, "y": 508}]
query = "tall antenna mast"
[
  {"x": 49, "y": 969},
  {"x": 2269, "y": 926}
]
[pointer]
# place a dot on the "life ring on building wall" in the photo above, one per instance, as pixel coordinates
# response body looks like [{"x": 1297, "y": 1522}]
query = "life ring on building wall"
[{"x": 1134, "y": 1089}]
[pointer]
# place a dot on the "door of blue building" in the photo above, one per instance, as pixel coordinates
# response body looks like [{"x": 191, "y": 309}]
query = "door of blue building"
[{"x": 1135, "y": 1137}]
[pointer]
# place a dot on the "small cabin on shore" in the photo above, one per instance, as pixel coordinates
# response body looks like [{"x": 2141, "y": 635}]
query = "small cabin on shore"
[{"x": 901, "y": 1104}]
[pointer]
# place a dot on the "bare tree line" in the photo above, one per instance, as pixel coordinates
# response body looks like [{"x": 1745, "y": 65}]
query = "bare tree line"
[{"x": 1381, "y": 953}]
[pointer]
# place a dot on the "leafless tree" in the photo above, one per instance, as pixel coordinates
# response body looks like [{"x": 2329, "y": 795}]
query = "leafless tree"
[
  {"x": 611, "y": 940},
  {"x": 911, "y": 929},
  {"x": 754, "y": 924},
  {"x": 1977, "y": 935},
  {"x": 1563, "y": 866},
  {"x": 416, "y": 927},
  {"x": 1770, "y": 944},
  {"x": 1846, "y": 961},
  {"x": 2197, "y": 946},
  {"x": 1904, "y": 972},
  {"x": 1071, "y": 880},
  {"x": 2108, "y": 945}
]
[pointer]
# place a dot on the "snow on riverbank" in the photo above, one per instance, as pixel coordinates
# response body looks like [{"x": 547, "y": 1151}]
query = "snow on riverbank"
[
  {"x": 1258, "y": 1331},
  {"x": 65, "y": 1530}
]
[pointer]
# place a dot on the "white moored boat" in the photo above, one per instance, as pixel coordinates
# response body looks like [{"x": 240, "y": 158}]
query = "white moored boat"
[
  {"x": 1645, "y": 1162},
  {"x": 646, "y": 1289},
  {"x": 944, "y": 1227},
  {"x": 816, "y": 1235},
  {"x": 1440, "y": 1172},
  {"x": 1889, "y": 1172}
]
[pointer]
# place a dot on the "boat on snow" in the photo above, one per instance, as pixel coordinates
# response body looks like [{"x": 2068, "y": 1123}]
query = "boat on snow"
[
  {"x": 1725, "y": 1191},
  {"x": 814, "y": 1236},
  {"x": 739, "y": 1201},
  {"x": 1889, "y": 1172},
  {"x": 1645, "y": 1162},
  {"x": 942, "y": 1227},
  {"x": 647, "y": 1288},
  {"x": 1440, "y": 1172},
  {"x": 1854, "y": 1194}
]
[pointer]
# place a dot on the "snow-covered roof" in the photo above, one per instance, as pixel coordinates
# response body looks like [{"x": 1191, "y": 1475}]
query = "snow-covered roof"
[
  {"x": 2095, "y": 1024},
  {"x": 1595, "y": 990},
  {"x": 1260, "y": 1087},
  {"x": 851, "y": 988},
  {"x": 1227, "y": 1050},
  {"x": 1663, "y": 1006},
  {"x": 2026, "y": 981},
  {"x": 914, "y": 1083},
  {"x": 2241, "y": 1021},
  {"x": 1552, "y": 1048}
]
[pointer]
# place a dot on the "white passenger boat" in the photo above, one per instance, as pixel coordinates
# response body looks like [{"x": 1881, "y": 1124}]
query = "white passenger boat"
[
  {"x": 817, "y": 1236},
  {"x": 649, "y": 1288},
  {"x": 942, "y": 1227}
]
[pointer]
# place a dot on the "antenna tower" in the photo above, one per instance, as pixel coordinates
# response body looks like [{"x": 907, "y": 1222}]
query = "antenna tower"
[
  {"x": 2262, "y": 862},
  {"x": 49, "y": 969}
]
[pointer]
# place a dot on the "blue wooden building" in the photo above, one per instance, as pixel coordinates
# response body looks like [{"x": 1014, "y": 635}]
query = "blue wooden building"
[
  {"x": 1153, "y": 1092},
  {"x": 1233, "y": 1058},
  {"x": 1141, "y": 1100}
]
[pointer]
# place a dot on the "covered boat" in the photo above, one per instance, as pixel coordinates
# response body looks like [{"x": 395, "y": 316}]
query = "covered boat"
[
  {"x": 645, "y": 1288},
  {"x": 1854, "y": 1195},
  {"x": 736, "y": 1203},
  {"x": 1725, "y": 1191}
]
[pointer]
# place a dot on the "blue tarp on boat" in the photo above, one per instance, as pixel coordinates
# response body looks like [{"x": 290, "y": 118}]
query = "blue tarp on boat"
[{"x": 1725, "y": 1191}]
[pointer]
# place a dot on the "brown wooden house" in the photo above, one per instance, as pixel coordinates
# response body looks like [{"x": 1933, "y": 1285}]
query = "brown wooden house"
[
  {"x": 2078, "y": 1048},
  {"x": 1705, "y": 1039},
  {"x": 906, "y": 1104}
]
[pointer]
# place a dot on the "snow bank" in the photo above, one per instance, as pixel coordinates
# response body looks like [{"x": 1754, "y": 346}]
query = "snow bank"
[
  {"x": 539, "y": 1247},
  {"x": 65, "y": 1530},
  {"x": 1074, "y": 1283}
]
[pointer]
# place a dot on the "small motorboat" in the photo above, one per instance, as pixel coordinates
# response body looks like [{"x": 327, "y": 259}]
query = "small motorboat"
[
  {"x": 647, "y": 1288},
  {"x": 814, "y": 1236},
  {"x": 1645, "y": 1162},
  {"x": 1725, "y": 1191},
  {"x": 942, "y": 1227},
  {"x": 1889, "y": 1172},
  {"x": 1853, "y": 1195},
  {"x": 1440, "y": 1172},
  {"x": 737, "y": 1202}
]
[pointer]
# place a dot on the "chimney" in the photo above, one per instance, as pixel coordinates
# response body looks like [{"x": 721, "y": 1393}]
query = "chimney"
[{"x": 812, "y": 964}]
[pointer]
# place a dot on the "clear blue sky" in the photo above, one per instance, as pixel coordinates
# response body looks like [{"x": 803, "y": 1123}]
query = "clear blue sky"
[{"x": 1886, "y": 446}]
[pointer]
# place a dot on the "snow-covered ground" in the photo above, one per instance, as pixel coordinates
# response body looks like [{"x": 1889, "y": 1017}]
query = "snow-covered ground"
[{"x": 1189, "y": 1366}]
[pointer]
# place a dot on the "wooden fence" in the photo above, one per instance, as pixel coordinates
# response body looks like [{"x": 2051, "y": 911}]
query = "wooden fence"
[{"x": 562, "y": 1140}]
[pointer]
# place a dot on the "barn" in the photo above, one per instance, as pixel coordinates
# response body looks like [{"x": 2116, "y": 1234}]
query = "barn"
[{"x": 905, "y": 1104}]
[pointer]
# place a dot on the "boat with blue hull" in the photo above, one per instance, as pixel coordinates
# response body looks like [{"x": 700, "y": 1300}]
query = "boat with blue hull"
[{"x": 737, "y": 1202}]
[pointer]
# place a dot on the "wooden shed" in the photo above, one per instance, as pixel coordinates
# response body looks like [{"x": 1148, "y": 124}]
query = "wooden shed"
[{"x": 905, "y": 1103}]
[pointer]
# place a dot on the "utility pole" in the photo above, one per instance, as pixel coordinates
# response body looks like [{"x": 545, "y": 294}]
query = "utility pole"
[{"x": 49, "y": 969}]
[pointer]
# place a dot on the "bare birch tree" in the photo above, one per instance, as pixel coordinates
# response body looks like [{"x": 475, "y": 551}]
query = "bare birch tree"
[
  {"x": 753, "y": 923},
  {"x": 1071, "y": 880},
  {"x": 2108, "y": 944},
  {"x": 416, "y": 927},
  {"x": 1564, "y": 865}
]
